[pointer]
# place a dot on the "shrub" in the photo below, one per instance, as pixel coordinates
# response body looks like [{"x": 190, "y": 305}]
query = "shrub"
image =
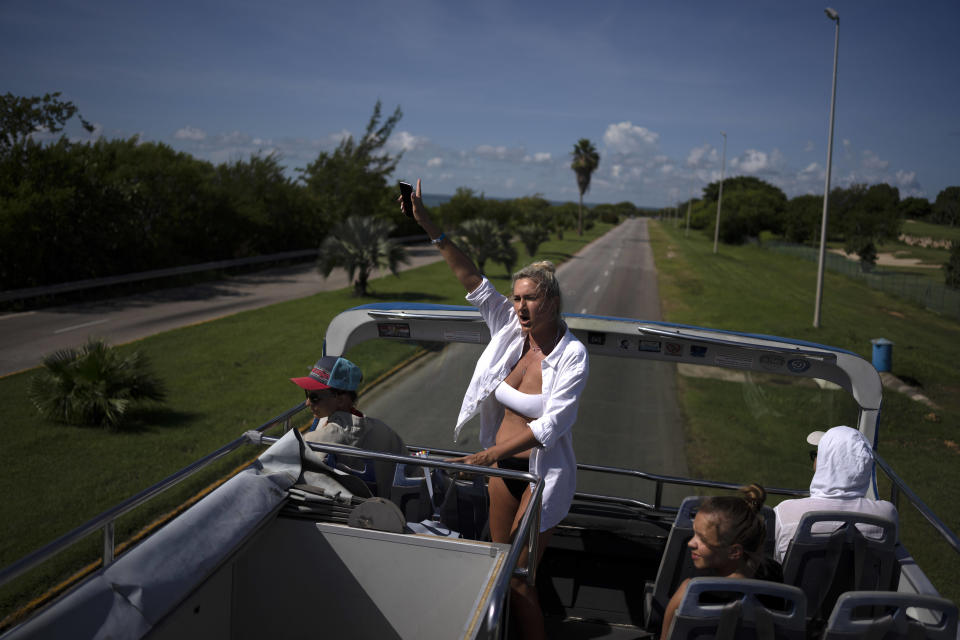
[
  {"x": 93, "y": 385},
  {"x": 952, "y": 267}
]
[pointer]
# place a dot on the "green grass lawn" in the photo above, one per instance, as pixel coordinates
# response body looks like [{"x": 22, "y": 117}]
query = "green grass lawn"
[
  {"x": 929, "y": 230},
  {"x": 750, "y": 289},
  {"x": 223, "y": 377}
]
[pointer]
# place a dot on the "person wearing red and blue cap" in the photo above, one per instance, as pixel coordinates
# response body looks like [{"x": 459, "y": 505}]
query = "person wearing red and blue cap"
[{"x": 331, "y": 393}]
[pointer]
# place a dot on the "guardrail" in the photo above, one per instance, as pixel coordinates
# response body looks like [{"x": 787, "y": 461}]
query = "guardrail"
[{"x": 93, "y": 283}]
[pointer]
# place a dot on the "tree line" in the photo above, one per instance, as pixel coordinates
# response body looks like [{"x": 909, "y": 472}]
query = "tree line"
[
  {"x": 76, "y": 210},
  {"x": 861, "y": 216},
  {"x": 71, "y": 210}
]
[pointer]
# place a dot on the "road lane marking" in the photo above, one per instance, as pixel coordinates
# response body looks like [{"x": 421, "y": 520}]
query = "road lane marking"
[
  {"x": 596, "y": 288},
  {"x": 606, "y": 273},
  {"x": 17, "y": 315},
  {"x": 81, "y": 326}
]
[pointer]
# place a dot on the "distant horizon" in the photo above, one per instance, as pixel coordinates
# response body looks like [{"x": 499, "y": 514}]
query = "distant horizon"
[{"x": 435, "y": 199}]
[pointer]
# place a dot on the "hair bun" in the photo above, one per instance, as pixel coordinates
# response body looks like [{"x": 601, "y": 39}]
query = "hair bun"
[
  {"x": 546, "y": 265},
  {"x": 754, "y": 495}
]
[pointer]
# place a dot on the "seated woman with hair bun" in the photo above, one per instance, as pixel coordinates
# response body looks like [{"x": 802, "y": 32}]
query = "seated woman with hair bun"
[
  {"x": 727, "y": 542},
  {"x": 526, "y": 387}
]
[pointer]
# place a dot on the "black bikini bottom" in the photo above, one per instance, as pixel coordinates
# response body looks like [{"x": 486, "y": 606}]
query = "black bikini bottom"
[{"x": 515, "y": 487}]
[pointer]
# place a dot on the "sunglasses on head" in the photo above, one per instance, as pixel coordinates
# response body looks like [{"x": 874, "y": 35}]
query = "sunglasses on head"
[{"x": 317, "y": 396}]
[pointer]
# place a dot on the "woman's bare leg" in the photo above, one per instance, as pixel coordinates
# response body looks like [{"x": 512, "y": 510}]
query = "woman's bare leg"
[{"x": 503, "y": 510}]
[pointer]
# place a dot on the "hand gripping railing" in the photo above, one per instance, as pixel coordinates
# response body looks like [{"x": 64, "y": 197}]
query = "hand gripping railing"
[{"x": 107, "y": 519}]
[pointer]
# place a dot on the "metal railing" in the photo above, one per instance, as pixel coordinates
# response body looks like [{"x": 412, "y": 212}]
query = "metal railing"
[
  {"x": 898, "y": 487},
  {"x": 529, "y": 524},
  {"x": 106, "y": 520}
]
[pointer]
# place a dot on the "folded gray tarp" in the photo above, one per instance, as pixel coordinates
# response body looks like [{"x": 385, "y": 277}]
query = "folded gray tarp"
[{"x": 131, "y": 596}]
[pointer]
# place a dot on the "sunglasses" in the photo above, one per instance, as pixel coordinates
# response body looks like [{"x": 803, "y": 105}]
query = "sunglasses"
[
  {"x": 813, "y": 455},
  {"x": 317, "y": 396}
]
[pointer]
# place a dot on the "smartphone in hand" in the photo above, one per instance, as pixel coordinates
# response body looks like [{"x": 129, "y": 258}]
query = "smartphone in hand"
[{"x": 406, "y": 190}]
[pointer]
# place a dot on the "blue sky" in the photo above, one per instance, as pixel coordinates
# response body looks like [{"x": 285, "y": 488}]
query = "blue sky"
[{"x": 495, "y": 93}]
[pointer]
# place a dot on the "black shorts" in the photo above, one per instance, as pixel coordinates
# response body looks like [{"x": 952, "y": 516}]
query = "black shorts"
[{"x": 515, "y": 487}]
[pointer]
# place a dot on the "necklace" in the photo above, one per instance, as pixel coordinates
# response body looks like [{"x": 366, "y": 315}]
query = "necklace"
[{"x": 533, "y": 347}]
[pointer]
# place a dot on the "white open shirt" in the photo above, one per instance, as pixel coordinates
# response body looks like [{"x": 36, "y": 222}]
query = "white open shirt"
[{"x": 564, "y": 374}]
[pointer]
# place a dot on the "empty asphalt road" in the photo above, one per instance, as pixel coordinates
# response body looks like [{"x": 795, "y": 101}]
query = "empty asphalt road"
[{"x": 25, "y": 338}]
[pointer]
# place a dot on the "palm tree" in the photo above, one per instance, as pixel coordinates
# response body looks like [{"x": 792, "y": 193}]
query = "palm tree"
[
  {"x": 361, "y": 244},
  {"x": 482, "y": 239},
  {"x": 93, "y": 385},
  {"x": 585, "y": 162},
  {"x": 532, "y": 236}
]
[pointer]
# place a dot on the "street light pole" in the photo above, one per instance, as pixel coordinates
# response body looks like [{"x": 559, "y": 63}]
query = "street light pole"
[
  {"x": 833, "y": 15},
  {"x": 723, "y": 170}
]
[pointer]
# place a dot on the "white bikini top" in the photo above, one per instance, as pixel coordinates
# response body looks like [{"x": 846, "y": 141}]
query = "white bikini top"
[{"x": 529, "y": 405}]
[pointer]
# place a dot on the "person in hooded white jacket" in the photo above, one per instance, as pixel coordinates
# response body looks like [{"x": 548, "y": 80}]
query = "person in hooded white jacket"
[{"x": 843, "y": 467}]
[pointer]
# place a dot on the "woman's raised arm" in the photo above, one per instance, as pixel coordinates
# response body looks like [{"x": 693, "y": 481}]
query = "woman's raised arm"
[{"x": 462, "y": 267}]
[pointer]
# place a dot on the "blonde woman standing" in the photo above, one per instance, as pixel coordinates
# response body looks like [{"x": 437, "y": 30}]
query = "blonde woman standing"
[{"x": 526, "y": 387}]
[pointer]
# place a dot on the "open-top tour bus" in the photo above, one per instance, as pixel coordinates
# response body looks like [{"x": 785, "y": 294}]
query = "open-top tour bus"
[{"x": 293, "y": 547}]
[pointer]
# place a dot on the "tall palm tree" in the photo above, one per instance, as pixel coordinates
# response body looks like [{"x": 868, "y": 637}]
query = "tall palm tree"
[
  {"x": 585, "y": 162},
  {"x": 361, "y": 244},
  {"x": 93, "y": 385}
]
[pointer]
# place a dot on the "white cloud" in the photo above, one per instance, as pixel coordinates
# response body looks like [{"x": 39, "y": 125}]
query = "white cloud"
[
  {"x": 500, "y": 152},
  {"x": 809, "y": 146},
  {"x": 812, "y": 168},
  {"x": 625, "y": 137},
  {"x": 540, "y": 156},
  {"x": 753, "y": 161},
  {"x": 871, "y": 161},
  {"x": 405, "y": 141},
  {"x": 190, "y": 133},
  {"x": 615, "y": 170},
  {"x": 907, "y": 178},
  {"x": 435, "y": 162},
  {"x": 702, "y": 155}
]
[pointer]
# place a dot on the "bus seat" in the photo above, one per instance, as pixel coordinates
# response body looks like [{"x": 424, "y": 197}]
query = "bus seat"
[
  {"x": 739, "y": 609},
  {"x": 891, "y": 615},
  {"x": 676, "y": 564},
  {"x": 835, "y": 557},
  {"x": 410, "y": 493}
]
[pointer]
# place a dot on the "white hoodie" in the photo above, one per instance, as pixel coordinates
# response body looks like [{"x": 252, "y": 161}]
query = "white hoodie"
[{"x": 844, "y": 470}]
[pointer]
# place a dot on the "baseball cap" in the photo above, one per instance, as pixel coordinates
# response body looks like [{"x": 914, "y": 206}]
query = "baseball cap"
[
  {"x": 331, "y": 372},
  {"x": 814, "y": 437}
]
